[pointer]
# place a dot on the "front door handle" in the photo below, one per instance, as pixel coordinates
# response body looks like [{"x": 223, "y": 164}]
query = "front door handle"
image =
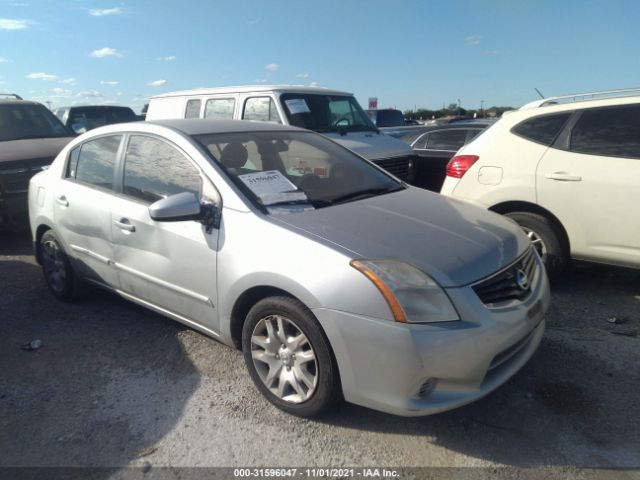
[
  {"x": 564, "y": 177},
  {"x": 124, "y": 224},
  {"x": 62, "y": 200}
]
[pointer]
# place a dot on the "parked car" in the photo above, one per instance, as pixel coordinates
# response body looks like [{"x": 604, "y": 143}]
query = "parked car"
[
  {"x": 343, "y": 282},
  {"x": 84, "y": 118},
  {"x": 30, "y": 138},
  {"x": 330, "y": 112},
  {"x": 386, "y": 117},
  {"x": 568, "y": 173},
  {"x": 435, "y": 146}
]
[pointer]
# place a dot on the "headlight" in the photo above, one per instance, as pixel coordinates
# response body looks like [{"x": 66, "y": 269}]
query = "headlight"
[{"x": 412, "y": 295}]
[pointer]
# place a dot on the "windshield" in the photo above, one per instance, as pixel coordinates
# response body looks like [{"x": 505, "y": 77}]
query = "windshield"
[
  {"x": 326, "y": 113},
  {"x": 94, "y": 117},
  {"x": 22, "y": 121},
  {"x": 294, "y": 170}
]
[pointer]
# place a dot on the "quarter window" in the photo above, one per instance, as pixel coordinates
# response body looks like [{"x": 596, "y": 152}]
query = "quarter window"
[
  {"x": 154, "y": 170},
  {"x": 262, "y": 109},
  {"x": 193, "y": 109},
  {"x": 96, "y": 162},
  {"x": 220, "y": 108},
  {"x": 610, "y": 132},
  {"x": 543, "y": 129}
]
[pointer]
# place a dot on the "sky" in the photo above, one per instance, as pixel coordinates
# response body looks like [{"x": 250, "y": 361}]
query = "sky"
[{"x": 407, "y": 53}]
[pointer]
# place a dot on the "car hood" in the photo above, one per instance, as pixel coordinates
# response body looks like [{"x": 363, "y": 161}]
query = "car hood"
[
  {"x": 32, "y": 148},
  {"x": 372, "y": 145},
  {"x": 453, "y": 241}
]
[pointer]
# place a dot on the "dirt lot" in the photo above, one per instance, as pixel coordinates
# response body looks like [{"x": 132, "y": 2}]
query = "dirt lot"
[{"x": 116, "y": 385}]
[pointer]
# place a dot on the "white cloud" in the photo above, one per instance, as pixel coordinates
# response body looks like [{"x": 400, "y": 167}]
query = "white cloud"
[
  {"x": 169, "y": 58},
  {"x": 61, "y": 91},
  {"x": 255, "y": 21},
  {"x": 313, "y": 84},
  {"x": 157, "y": 83},
  {"x": 13, "y": 24},
  {"x": 473, "y": 40},
  {"x": 68, "y": 81},
  {"x": 90, "y": 94},
  {"x": 302, "y": 75},
  {"x": 3, "y": 60},
  {"x": 261, "y": 80},
  {"x": 108, "y": 82},
  {"x": 491, "y": 52},
  {"x": 101, "y": 12},
  {"x": 105, "y": 52},
  {"x": 41, "y": 76},
  {"x": 272, "y": 67}
]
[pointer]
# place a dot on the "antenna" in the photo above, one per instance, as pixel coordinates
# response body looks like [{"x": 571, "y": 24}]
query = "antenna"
[{"x": 538, "y": 92}]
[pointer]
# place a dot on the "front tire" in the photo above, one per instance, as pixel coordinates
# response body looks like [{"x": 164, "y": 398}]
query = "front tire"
[
  {"x": 545, "y": 238},
  {"x": 289, "y": 358},
  {"x": 57, "y": 270}
]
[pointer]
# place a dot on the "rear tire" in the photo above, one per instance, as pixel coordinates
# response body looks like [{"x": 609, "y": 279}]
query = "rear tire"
[
  {"x": 289, "y": 358},
  {"x": 545, "y": 238},
  {"x": 57, "y": 270}
]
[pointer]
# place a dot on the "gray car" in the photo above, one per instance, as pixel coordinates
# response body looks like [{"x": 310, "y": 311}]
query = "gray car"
[{"x": 335, "y": 279}]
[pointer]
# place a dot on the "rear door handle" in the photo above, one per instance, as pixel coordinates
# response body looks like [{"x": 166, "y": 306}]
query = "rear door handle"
[
  {"x": 124, "y": 224},
  {"x": 563, "y": 177},
  {"x": 62, "y": 200}
]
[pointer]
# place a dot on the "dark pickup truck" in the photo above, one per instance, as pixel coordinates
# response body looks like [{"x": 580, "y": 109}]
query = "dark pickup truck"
[{"x": 30, "y": 138}]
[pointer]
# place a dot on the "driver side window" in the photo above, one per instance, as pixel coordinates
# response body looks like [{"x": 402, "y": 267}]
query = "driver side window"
[{"x": 154, "y": 170}]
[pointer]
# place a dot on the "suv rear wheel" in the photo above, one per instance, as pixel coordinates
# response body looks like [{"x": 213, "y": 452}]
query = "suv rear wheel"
[{"x": 545, "y": 238}]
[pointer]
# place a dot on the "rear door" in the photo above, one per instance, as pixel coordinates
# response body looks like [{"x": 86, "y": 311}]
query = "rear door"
[
  {"x": 590, "y": 180},
  {"x": 82, "y": 207},
  {"x": 168, "y": 265}
]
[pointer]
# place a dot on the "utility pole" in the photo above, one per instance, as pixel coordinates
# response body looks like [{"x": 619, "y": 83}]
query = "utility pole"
[
  {"x": 48, "y": 104},
  {"x": 481, "y": 109}
]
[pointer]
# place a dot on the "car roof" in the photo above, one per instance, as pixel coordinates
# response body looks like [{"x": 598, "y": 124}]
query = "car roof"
[
  {"x": 75, "y": 107},
  {"x": 14, "y": 101},
  {"x": 253, "y": 88},
  {"x": 200, "y": 126}
]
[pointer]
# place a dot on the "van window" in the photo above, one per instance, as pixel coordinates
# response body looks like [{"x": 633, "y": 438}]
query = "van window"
[
  {"x": 262, "y": 109},
  {"x": 220, "y": 108},
  {"x": 193, "y": 109},
  {"x": 608, "y": 131}
]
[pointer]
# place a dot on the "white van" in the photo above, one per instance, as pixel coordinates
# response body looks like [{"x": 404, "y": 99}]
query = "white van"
[{"x": 332, "y": 113}]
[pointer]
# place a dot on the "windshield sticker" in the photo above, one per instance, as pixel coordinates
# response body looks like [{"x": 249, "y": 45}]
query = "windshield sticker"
[
  {"x": 297, "y": 105},
  {"x": 272, "y": 187}
]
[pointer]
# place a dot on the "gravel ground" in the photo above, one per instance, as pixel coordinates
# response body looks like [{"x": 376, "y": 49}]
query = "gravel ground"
[{"x": 115, "y": 385}]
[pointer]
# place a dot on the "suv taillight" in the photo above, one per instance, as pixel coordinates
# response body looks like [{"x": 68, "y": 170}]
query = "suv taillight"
[{"x": 459, "y": 165}]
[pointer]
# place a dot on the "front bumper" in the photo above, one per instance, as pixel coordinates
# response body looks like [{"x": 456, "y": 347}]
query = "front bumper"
[{"x": 384, "y": 364}]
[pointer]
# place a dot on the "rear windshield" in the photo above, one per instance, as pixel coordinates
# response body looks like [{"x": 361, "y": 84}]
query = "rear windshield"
[
  {"x": 22, "y": 121},
  {"x": 389, "y": 118},
  {"x": 98, "y": 116}
]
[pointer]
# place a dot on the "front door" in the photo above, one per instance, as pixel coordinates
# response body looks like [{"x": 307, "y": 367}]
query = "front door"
[{"x": 169, "y": 265}]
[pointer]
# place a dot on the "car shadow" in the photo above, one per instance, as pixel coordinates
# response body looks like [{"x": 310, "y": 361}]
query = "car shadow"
[
  {"x": 15, "y": 243},
  {"x": 109, "y": 382}
]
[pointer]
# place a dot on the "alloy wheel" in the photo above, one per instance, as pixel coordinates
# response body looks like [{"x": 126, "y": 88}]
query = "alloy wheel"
[
  {"x": 537, "y": 242},
  {"x": 54, "y": 266}
]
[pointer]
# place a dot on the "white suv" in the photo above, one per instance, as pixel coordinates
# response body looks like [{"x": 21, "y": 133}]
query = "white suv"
[{"x": 567, "y": 169}]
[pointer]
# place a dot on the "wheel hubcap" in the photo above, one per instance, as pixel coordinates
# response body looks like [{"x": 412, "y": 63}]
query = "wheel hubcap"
[
  {"x": 537, "y": 243},
  {"x": 53, "y": 264},
  {"x": 284, "y": 359}
]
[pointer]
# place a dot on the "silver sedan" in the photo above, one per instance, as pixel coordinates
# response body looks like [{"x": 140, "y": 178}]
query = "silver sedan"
[{"x": 336, "y": 280}]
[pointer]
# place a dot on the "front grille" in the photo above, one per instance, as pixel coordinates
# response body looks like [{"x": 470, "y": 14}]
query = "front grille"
[
  {"x": 15, "y": 176},
  {"x": 512, "y": 283},
  {"x": 399, "y": 166}
]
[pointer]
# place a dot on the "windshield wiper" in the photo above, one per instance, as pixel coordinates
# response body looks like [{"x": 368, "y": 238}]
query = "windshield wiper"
[
  {"x": 31, "y": 137},
  {"x": 368, "y": 192},
  {"x": 314, "y": 203}
]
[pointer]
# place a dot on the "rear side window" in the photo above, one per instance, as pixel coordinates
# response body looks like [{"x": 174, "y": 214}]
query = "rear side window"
[
  {"x": 611, "y": 132},
  {"x": 96, "y": 162},
  {"x": 543, "y": 129},
  {"x": 220, "y": 108},
  {"x": 446, "y": 140},
  {"x": 193, "y": 109},
  {"x": 153, "y": 170},
  {"x": 262, "y": 109}
]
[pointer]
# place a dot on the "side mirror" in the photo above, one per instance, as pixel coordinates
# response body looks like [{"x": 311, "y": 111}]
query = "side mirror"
[
  {"x": 176, "y": 208},
  {"x": 79, "y": 128},
  {"x": 185, "y": 206}
]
